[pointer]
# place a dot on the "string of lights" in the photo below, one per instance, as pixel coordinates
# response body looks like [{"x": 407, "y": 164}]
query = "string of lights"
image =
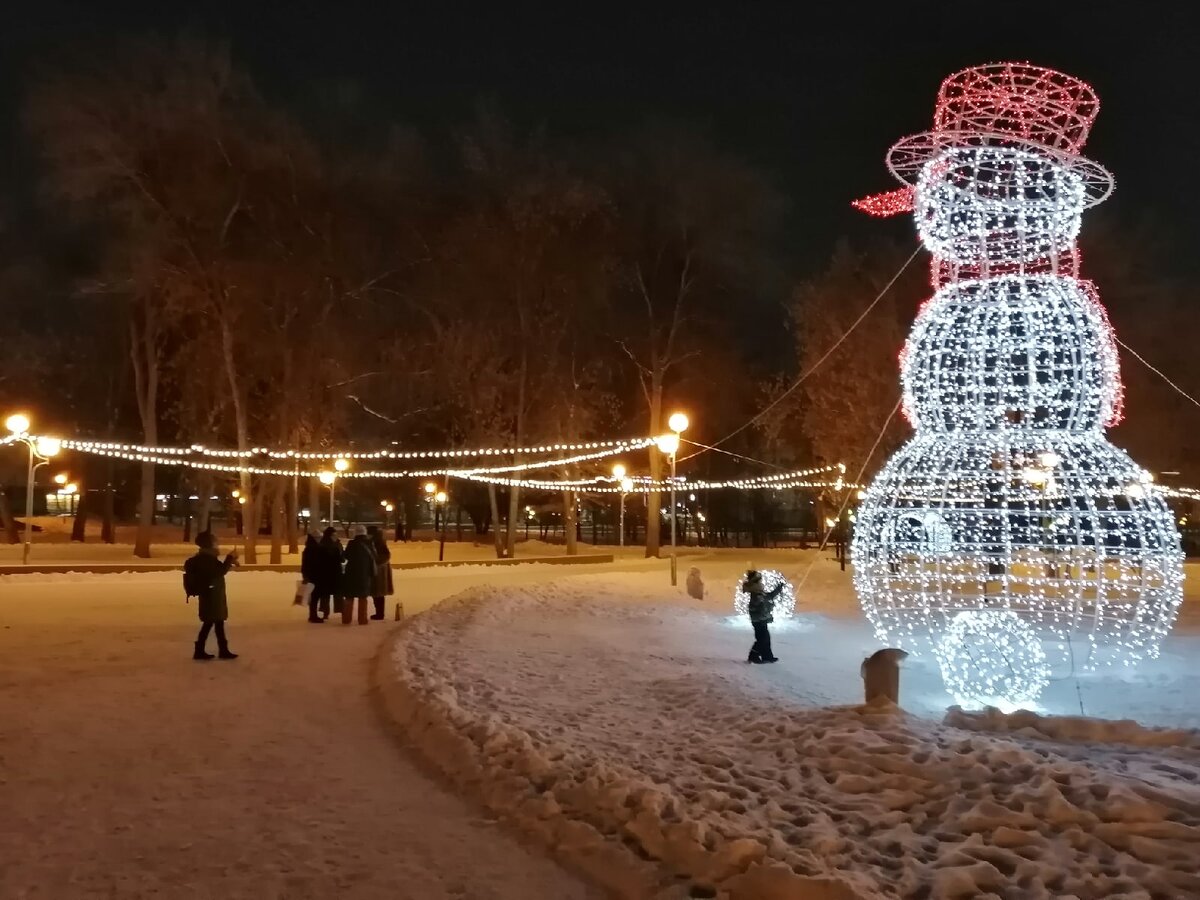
[
  {"x": 806, "y": 478},
  {"x": 132, "y": 453},
  {"x": 118, "y": 449}
]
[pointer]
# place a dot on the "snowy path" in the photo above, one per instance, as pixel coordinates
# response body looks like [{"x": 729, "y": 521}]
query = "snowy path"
[
  {"x": 127, "y": 770},
  {"x": 618, "y": 724}
]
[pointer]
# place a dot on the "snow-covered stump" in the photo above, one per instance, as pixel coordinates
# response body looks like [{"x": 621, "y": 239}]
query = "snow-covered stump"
[{"x": 881, "y": 675}]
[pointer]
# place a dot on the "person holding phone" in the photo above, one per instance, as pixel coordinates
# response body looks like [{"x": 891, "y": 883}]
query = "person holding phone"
[{"x": 204, "y": 578}]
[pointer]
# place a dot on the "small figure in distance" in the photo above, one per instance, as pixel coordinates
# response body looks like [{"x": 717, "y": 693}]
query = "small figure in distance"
[
  {"x": 695, "y": 584},
  {"x": 204, "y": 578},
  {"x": 760, "y": 608}
]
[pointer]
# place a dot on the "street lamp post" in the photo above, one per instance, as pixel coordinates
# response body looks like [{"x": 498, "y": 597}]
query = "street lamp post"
[
  {"x": 41, "y": 449},
  {"x": 626, "y": 487},
  {"x": 440, "y": 498},
  {"x": 329, "y": 479},
  {"x": 340, "y": 465},
  {"x": 669, "y": 444},
  {"x": 619, "y": 475}
]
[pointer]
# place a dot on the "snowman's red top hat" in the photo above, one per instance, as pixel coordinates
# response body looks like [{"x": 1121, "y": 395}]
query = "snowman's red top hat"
[{"x": 1010, "y": 105}]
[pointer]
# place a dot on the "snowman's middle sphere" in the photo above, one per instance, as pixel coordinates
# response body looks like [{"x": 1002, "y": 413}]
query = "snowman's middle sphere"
[{"x": 1031, "y": 350}]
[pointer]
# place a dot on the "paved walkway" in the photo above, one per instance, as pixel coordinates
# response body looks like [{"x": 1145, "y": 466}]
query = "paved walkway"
[{"x": 127, "y": 770}]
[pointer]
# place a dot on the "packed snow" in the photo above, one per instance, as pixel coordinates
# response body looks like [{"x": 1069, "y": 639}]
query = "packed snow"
[
  {"x": 615, "y": 720},
  {"x": 127, "y": 770}
]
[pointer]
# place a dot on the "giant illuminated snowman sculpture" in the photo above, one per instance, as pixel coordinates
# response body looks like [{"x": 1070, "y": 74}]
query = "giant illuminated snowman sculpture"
[{"x": 1009, "y": 538}]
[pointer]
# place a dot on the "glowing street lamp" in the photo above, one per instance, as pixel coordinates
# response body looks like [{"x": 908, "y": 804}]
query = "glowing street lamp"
[
  {"x": 341, "y": 464},
  {"x": 41, "y": 450},
  {"x": 329, "y": 479},
  {"x": 626, "y": 487},
  {"x": 60, "y": 478},
  {"x": 669, "y": 444}
]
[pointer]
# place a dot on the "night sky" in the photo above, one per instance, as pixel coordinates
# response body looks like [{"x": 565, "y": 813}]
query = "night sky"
[{"x": 813, "y": 97}]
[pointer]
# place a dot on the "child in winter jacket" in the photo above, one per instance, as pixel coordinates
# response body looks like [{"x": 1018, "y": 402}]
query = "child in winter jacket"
[
  {"x": 760, "y": 609},
  {"x": 204, "y": 578}
]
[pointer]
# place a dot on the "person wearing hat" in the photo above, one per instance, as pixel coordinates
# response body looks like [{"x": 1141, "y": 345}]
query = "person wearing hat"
[
  {"x": 760, "y": 608},
  {"x": 204, "y": 579},
  {"x": 358, "y": 578},
  {"x": 383, "y": 587},
  {"x": 327, "y": 572}
]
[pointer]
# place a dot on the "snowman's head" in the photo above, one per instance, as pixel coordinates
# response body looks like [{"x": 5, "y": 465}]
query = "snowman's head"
[{"x": 998, "y": 206}]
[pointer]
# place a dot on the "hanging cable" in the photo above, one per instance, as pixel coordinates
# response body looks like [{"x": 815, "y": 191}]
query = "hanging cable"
[
  {"x": 761, "y": 462},
  {"x": 813, "y": 368},
  {"x": 846, "y": 501},
  {"x": 1160, "y": 374}
]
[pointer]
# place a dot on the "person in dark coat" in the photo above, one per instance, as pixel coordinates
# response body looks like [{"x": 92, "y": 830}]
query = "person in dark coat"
[
  {"x": 760, "y": 609},
  {"x": 327, "y": 572},
  {"x": 358, "y": 577},
  {"x": 383, "y": 570},
  {"x": 204, "y": 574},
  {"x": 310, "y": 564}
]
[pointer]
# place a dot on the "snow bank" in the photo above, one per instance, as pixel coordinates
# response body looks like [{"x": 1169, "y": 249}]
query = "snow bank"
[
  {"x": 614, "y": 725},
  {"x": 1078, "y": 729}
]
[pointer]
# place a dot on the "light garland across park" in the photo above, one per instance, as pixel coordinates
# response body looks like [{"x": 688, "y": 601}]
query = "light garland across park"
[
  {"x": 603, "y": 484},
  {"x": 131, "y": 451},
  {"x": 1009, "y": 531},
  {"x": 179, "y": 457}
]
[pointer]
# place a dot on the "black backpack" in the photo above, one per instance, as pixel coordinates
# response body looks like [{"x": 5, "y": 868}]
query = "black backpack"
[{"x": 193, "y": 580}]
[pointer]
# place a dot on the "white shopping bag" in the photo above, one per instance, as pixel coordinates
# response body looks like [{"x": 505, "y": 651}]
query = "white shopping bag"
[{"x": 303, "y": 592}]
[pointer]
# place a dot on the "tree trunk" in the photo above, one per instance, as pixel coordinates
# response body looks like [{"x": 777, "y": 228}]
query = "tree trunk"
[
  {"x": 278, "y": 492},
  {"x": 497, "y": 538},
  {"x": 251, "y": 519},
  {"x": 10, "y": 524},
  {"x": 144, "y": 353},
  {"x": 204, "y": 511},
  {"x": 141, "y": 546},
  {"x": 654, "y": 497},
  {"x": 245, "y": 482},
  {"x": 570, "y": 531},
  {"x": 293, "y": 515},
  {"x": 314, "y": 500},
  {"x": 108, "y": 530}
]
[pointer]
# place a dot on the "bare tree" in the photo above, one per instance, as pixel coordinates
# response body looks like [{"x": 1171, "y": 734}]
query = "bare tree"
[{"x": 693, "y": 229}]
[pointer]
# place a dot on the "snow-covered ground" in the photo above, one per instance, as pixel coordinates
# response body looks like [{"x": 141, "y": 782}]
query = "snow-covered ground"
[
  {"x": 617, "y": 722},
  {"x": 598, "y": 708},
  {"x": 127, "y": 770}
]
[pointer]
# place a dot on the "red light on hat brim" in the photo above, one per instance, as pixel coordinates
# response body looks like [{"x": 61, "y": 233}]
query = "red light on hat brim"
[{"x": 889, "y": 203}]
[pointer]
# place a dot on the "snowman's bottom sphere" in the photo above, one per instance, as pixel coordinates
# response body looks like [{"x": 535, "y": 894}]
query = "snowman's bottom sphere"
[
  {"x": 992, "y": 658},
  {"x": 1062, "y": 529}
]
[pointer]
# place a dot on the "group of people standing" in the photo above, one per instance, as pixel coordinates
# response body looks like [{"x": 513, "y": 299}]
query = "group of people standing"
[{"x": 343, "y": 576}]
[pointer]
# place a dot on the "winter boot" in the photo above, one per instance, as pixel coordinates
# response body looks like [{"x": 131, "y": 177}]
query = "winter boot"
[
  {"x": 223, "y": 652},
  {"x": 200, "y": 652}
]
